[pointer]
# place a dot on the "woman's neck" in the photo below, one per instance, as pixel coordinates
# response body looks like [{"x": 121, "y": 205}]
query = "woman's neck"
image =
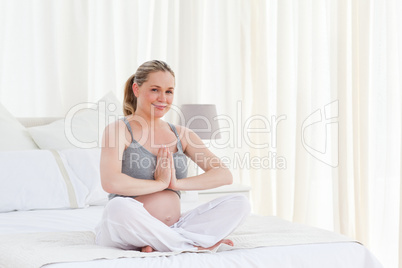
[{"x": 148, "y": 120}]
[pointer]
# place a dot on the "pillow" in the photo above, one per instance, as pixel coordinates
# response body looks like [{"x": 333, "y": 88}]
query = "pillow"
[
  {"x": 38, "y": 179},
  {"x": 85, "y": 163},
  {"x": 82, "y": 127},
  {"x": 14, "y": 136}
]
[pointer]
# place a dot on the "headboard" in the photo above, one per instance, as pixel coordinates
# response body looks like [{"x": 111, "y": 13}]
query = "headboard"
[{"x": 37, "y": 121}]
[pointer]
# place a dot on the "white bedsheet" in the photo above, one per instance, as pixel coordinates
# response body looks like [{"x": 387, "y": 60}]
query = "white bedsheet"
[{"x": 328, "y": 255}]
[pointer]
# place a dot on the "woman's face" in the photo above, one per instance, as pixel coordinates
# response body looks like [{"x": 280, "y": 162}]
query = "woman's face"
[{"x": 155, "y": 96}]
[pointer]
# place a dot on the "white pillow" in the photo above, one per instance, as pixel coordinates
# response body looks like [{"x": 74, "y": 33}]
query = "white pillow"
[
  {"x": 14, "y": 136},
  {"x": 81, "y": 128},
  {"x": 34, "y": 180},
  {"x": 85, "y": 163}
]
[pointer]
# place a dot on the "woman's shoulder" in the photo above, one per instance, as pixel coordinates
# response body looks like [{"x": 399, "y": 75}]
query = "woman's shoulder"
[
  {"x": 181, "y": 130},
  {"x": 117, "y": 130},
  {"x": 185, "y": 135},
  {"x": 117, "y": 124}
]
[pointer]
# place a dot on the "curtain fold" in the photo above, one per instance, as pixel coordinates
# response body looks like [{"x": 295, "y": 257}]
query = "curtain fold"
[
  {"x": 360, "y": 97},
  {"x": 343, "y": 204},
  {"x": 399, "y": 246},
  {"x": 308, "y": 92},
  {"x": 303, "y": 106}
]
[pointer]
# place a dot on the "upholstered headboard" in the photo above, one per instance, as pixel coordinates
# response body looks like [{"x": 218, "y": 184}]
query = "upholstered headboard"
[{"x": 37, "y": 121}]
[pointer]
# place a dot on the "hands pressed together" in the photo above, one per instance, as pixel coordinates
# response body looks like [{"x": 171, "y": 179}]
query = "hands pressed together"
[{"x": 165, "y": 171}]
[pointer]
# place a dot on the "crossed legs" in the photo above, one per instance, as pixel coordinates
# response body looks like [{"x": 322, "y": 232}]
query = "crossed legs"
[{"x": 126, "y": 224}]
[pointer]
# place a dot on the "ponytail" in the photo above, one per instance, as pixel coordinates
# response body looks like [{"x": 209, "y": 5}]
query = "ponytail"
[{"x": 130, "y": 100}]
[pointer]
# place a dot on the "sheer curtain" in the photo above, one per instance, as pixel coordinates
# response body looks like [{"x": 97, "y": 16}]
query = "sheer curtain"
[{"x": 308, "y": 92}]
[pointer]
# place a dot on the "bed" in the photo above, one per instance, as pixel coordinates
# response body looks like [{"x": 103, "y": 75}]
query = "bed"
[
  {"x": 284, "y": 251},
  {"x": 51, "y": 200}
]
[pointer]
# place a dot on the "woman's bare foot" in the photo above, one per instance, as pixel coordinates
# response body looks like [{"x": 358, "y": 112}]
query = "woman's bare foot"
[
  {"x": 147, "y": 249},
  {"x": 223, "y": 241}
]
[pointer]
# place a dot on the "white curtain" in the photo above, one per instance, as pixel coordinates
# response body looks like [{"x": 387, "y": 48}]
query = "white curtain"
[{"x": 309, "y": 92}]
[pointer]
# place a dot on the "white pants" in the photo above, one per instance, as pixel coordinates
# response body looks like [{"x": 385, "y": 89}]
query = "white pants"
[{"x": 126, "y": 224}]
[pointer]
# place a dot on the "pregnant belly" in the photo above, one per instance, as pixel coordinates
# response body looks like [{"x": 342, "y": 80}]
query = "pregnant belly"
[{"x": 165, "y": 206}]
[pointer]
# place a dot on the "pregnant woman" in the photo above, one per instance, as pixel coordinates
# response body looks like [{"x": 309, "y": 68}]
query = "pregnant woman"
[{"x": 144, "y": 167}]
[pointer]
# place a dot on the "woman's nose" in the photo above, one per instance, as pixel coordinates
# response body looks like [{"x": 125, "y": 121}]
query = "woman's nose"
[{"x": 162, "y": 97}]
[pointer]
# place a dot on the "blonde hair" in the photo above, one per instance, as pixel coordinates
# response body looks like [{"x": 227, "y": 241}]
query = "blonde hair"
[{"x": 140, "y": 77}]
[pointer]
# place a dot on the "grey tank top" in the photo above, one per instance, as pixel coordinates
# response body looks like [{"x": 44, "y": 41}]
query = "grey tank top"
[{"x": 140, "y": 163}]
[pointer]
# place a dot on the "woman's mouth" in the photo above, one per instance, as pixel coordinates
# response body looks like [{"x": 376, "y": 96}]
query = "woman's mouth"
[{"x": 159, "y": 107}]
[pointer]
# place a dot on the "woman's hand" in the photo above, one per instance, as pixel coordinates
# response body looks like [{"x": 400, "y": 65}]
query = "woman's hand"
[
  {"x": 163, "y": 171},
  {"x": 216, "y": 172},
  {"x": 173, "y": 180}
]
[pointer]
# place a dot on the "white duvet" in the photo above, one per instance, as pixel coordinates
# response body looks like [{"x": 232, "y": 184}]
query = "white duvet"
[{"x": 64, "y": 238}]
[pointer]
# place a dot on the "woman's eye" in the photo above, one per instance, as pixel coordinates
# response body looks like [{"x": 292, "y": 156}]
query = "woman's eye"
[
  {"x": 169, "y": 91},
  {"x": 154, "y": 89}
]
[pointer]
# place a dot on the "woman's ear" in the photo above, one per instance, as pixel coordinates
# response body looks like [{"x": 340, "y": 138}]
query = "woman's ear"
[{"x": 135, "y": 89}]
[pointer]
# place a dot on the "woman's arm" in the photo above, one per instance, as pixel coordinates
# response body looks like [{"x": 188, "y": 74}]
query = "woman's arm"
[
  {"x": 114, "y": 142},
  {"x": 216, "y": 173}
]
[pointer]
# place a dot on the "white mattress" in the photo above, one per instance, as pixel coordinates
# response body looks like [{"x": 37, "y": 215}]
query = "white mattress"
[{"x": 329, "y": 255}]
